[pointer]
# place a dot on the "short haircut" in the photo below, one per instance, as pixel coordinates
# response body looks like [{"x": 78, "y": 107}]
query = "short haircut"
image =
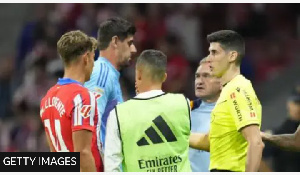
[
  {"x": 155, "y": 64},
  {"x": 114, "y": 27},
  {"x": 230, "y": 41},
  {"x": 73, "y": 44}
]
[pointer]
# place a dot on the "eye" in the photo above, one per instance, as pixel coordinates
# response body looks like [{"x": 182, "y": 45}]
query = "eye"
[{"x": 130, "y": 43}]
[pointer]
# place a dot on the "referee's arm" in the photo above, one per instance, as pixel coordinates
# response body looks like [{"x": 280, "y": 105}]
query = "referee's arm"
[
  {"x": 113, "y": 156},
  {"x": 245, "y": 113},
  {"x": 255, "y": 147}
]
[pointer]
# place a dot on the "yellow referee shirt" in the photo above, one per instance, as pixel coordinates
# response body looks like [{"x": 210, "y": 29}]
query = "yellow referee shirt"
[{"x": 237, "y": 107}]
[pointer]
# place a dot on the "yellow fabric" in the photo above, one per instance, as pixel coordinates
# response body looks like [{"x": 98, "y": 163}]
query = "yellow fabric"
[{"x": 237, "y": 107}]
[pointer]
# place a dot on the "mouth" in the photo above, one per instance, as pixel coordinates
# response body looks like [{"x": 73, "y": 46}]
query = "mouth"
[
  {"x": 200, "y": 88},
  {"x": 130, "y": 60}
]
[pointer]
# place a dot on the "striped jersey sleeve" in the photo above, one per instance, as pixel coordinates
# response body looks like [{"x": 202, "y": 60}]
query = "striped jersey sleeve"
[
  {"x": 103, "y": 74},
  {"x": 84, "y": 111}
]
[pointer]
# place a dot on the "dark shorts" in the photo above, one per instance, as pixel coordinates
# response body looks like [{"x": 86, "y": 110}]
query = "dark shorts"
[{"x": 216, "y": 170}]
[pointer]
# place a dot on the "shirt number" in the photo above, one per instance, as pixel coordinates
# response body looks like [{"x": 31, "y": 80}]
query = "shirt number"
[{"x": 57, "y": 140}]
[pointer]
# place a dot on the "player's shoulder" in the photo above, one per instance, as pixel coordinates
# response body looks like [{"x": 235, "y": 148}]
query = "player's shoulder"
[
  {"x": 81, "y": 90},
  {"x": 103, "y": 72},
  {"x": 175, "y": 95},
  {"x": 194, "y": 104},
  {"x": 102, "y": 65},
  {"x": 237, "y": 84},
  {"x": 51, "y": 91},
  {"x": 178, "y": 98},
  {"x": 72, "y": 90}
]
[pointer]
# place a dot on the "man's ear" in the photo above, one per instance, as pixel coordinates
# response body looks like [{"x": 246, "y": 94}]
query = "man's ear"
[
  {"x": 233, "y": 56},
  {"x": 165, "y": 77},
  {"x": 139, "y": 73},
  {"x": 114, "y": 42},
  {"x": 85, "y": 58}
]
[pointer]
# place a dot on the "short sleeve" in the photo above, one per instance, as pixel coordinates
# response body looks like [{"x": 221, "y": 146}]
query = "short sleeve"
[
  {"x": 242, "y": 108},
  {"x": 84, "y": 111}
]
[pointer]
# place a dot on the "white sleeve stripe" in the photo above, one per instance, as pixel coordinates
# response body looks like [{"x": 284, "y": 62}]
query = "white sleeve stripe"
[
  {"x": 78, "y": 105},
  {"x": 75, "y": 111},
  {"x": 80, "y": 118},
  {"x": 92, "y": 101},
  {"x": 74, "y": 115}
]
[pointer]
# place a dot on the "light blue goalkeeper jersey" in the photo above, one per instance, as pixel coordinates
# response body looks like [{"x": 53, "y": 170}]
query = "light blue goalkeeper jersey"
[{"x": 104, "y": 82}]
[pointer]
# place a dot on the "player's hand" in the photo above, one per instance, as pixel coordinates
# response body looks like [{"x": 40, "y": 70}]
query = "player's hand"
[
  {"x": 265, "y": 135},
  {"x": 262, "y": 134}
]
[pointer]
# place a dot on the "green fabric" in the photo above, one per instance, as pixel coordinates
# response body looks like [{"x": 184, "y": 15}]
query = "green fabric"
[{"x": 155, "y": 134}]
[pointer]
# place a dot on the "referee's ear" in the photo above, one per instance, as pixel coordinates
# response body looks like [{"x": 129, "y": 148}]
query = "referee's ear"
[
  {"x": 165, "y": 78},
  {"x": 233, "y": 56}
]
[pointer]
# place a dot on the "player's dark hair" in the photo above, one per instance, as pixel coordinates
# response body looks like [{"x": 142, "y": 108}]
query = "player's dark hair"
[
  {"x": 114, "y": 27},
  {"x": 230, "y": 41},
  {"x": 73, "y": 44},
  {"x": 156, "y": 63}
]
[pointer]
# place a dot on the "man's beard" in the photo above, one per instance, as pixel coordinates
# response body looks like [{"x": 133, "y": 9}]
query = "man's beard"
[{"x": 124, "y": 64}]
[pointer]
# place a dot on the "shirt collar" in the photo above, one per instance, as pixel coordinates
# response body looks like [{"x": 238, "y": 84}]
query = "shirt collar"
[
  {"x": 232, "y": 80},
  {"x": 208, "y": 104},
  {"x": 64, "y": 81},
  {"x": 149, "y": 94}
]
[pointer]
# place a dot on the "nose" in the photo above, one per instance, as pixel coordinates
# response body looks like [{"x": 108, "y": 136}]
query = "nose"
[
  {"x": 133, "y": 49},
  {"x": 199, "y": 80},
  {"x": 209, "y": 59}
]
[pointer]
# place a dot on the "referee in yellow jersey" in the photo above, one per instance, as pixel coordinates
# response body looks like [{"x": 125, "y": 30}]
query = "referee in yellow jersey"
[{"x": 234, "y": 139}]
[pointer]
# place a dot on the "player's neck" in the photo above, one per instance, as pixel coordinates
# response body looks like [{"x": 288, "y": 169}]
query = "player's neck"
[
  {"x": 232, "y": 72},
  {"x": 211, "y": 99},
  {"x": 149, "y": 87},
  {"x": 110, "y": 56},
  {"x": 74, "y": 74}
]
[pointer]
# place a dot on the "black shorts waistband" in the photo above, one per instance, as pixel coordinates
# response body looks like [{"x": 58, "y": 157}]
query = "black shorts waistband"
[{"x": 218, "y": 170}]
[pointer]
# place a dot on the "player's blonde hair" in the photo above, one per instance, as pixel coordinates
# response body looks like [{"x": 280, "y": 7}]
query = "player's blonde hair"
[{"x": 73, "y": 44}]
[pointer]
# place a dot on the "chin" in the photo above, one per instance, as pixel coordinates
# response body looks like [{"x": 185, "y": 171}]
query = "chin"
[
  {"x": 124, "y": 65},
  {"x": 199, "y": 95},
  {"x": 218, "y": 75}
]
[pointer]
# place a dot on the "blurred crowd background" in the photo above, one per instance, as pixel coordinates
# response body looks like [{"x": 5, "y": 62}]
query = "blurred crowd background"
[{"x": 29, "y": 64}]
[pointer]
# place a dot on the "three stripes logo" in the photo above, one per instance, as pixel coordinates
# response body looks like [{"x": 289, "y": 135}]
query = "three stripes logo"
[{"x": 154, "y": 136}]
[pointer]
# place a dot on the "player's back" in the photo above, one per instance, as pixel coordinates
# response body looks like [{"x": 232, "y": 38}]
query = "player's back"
[
  {"x": 56, "y": 108},
  {"x": 69, "y": 107}
]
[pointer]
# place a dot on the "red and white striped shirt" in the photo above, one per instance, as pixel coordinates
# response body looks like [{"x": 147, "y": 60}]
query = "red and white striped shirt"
[{"x": 69, "y": 107}]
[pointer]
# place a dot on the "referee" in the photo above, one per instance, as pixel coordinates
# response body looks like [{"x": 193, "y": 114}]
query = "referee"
[
  {"x": 234, "y": 139},
  {"x": 149, "y": 133}
]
